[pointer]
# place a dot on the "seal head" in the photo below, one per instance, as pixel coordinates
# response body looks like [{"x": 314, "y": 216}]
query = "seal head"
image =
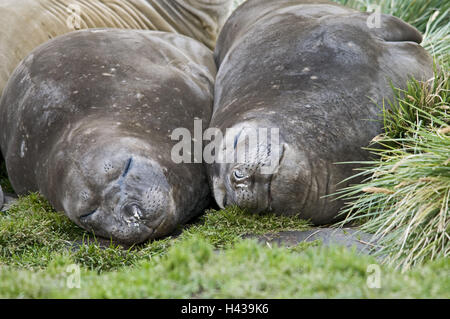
[{"x": 115, "y": 189}]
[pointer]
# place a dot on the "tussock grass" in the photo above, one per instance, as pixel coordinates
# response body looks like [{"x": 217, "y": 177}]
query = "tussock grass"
[
  {"x": 436, "y": 37},
  {"x": 405, "y": 196}
]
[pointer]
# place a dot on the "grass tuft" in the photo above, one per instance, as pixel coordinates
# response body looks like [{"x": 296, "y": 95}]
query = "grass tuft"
[
  {"x": 223, "y": 228},
  {"x": 405, "y": 196}
]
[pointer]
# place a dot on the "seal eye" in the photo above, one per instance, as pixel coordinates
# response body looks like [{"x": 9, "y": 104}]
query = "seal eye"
[
  {"x": 84, "y": 217},
  {"x": 238, "y": 174}
]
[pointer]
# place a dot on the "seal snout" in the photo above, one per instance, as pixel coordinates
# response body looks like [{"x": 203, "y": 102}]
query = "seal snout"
[
  {"x": 150, "y": 211},
  {"x": 132, "y": 211},
  {"x": 133, "y": 207}
]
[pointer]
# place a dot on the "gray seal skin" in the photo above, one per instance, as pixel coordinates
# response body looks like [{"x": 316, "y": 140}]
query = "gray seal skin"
[
  {"x": 86, "y": 120},
  {"x": 26, "y": 24},
  {"x": 316, "y": 71}
]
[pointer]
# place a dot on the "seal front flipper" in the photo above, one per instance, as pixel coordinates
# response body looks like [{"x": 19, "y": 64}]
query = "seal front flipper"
[{"x": 397, "y": 40}]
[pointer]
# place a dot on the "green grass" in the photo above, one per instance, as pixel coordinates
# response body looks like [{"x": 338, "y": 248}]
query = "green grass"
[
  {"x": 193, "y": 268},
  {"x": 209, "y": 259},
  {"x": 32, "y": 234},
  {"x": 405, "y": 196}
]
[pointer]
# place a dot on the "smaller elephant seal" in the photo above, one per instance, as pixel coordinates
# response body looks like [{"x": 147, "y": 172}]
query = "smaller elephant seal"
[
  {"x": 317, "y": 72},
  {"x": 86, "y": 120}
]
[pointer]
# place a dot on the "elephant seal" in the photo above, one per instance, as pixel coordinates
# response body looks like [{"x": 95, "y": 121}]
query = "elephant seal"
[
  {"x": 317, "y": 72},
  {"x": 26, "y": 24},
  {"x": 86, "y": 120}
]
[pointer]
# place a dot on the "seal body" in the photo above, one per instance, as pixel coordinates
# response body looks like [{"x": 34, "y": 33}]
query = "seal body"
[
  {"x": 86, "y": 120},
  {"x": 26, "y": 24},
  {"x": 318, "y": 73}
]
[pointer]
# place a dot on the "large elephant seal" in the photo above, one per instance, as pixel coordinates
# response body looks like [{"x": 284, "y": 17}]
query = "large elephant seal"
[
  {"x": 317, "y": 72},
  {"x": 86, "y": 120},
  {"x": 26, "y": 24}
]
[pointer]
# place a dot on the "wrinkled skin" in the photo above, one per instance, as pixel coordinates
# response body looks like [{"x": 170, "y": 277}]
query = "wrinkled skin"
[
  {"x": 316, "y": 71},
  {"x": 86, "y": 120},
  {"x": 26, "y": 24}
]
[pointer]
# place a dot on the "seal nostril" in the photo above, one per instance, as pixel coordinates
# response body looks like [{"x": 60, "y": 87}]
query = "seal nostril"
[{"x": 132, "y": 210}]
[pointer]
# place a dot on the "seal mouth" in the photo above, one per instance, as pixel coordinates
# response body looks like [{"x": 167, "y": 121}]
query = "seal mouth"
[
  {"x": 134, "y": 229},
  {"x": 156, "y": 224},
  {"x": 273, "y": 176},
  {"x": 127, "y": 222}
]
